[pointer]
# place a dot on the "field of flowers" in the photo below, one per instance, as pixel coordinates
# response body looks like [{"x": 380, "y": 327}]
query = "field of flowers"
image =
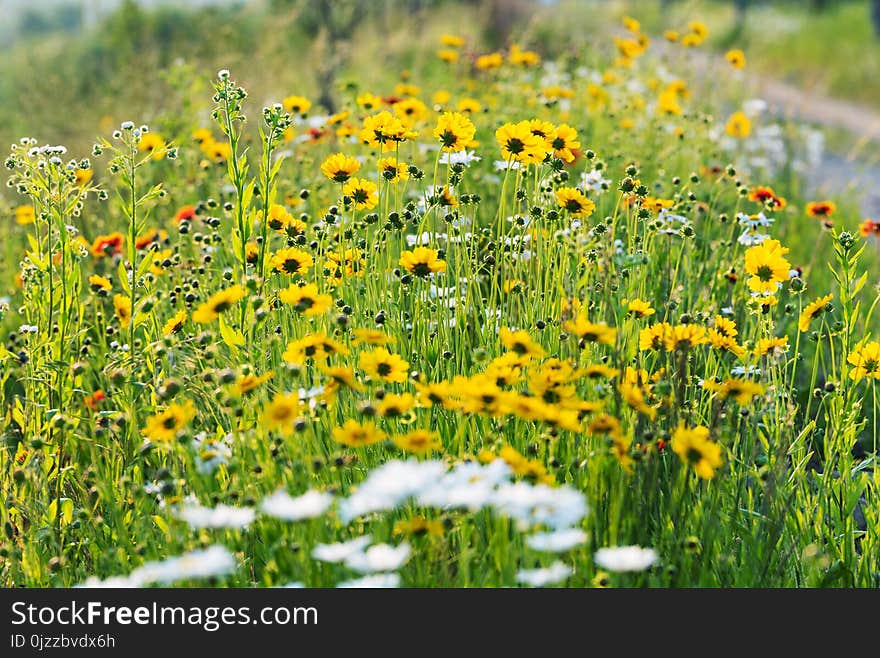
[{"x": 507, "y": 322}]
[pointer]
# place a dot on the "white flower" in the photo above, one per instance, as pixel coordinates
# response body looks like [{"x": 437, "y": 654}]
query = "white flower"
[
  {"x": 626, "y": 558},
  {"x": 739, "y": 371},
  {"x": 754, "y": 107},
  {"x": 468, "y": 485},
  {"x": 751, "y": 239},
  {"x": 284, "y": 506},
  {"x": 211, "y": 451},
  {"x": 292, "y": 585},
  {"x": 222, "y": 516},
  {"x": 555, "y": 573},
  {"x": 556, "y": 507},
  {"x": 213, "y": 561},
  {"x": 501, "y": 165},
  {"x": 390, "y": 485},
  {"x": 594, "y": 181},
  {"x": 459, "y": 157},
  {"x": 340, "y": 551},
  {"x": 375, "y": 581},
  {"x": 381, "y": 557},
  {"x": 558, "y": 541},
  {"x": 753, "y": 221}
]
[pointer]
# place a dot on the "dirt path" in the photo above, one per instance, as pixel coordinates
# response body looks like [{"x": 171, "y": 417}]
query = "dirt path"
[
  {"x": 856, "y": 173},
  {"x": 825, "y": 111}
]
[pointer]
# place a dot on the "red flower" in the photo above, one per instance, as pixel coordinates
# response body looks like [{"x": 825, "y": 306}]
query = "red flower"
[
  {"x": 94, "y": 399},
  {"x": 186, "y": 212}
]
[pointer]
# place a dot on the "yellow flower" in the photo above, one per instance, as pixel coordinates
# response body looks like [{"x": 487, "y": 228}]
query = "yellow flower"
[
  {"x": 600, "y": 370},
  {"x": 631, "y": 24},
  {"x": 312, "y": 346},
  {"x": 341, "y": 376},
  {"x": 591, "y": 332},
  {"x": 767, "y": 266},
  {"x": 279, "y": 218},
  {"x": 738, "y": 125},
  {"x": 519, "y": 144},
  {"x": 418, "y": 526},
  {"x": 218, "y": 303},
  {"x": 394, "y": 405},
  {"x": 564, "y": 142},
  {"x": 490, "y": 61},
  {"x": 435, "y": 393},
  {"x": 699, "y": 29},
  {"x": 357, "y": 435},
  {"x": 865, "y": 360},
  {"x": 741, "y": 390},
  {"x": 451, "y": 40},
  {"x": 152, "y": 143},
  {"x": 296, "y": 104},
  {"x": 635, "y": 396},
  {"x": 684, "y": 337},
  {"x": 392, "y": 170},
  {"x": 174, "y": 324},
  {"x": 694, "y": 448},
  {"x": 202, "y": 135},
  {"x": 306, "y": 299},
  {"x": 25, "y": 215},
  {"x": 736, "y": 57},
  {"x": 340, "y": 167},
  {"x": 419, "y": 442},
  {"x": 83, "y": 176},
  {"x": 371, "y": 337},
  {"x": 667, "y": 103},
  {"x": 454, "y": 131},
  {"x": 574, "y": 201},
  {"x": 422, "y": 261},
  {"x": 770, "y": 346},
  {"x": 639, "y": 309},
  {"x": 280, "y": 413},
  {"x": 165, "y": 425},
  {"x": 532, "y": 470},
  {"x": 620, "y": 447},
  {"x": 217, "y": 151},
  {"x": 383, "y": 366},
  {"x": 448, "y": 55},
  {"x": 441, "y": 97},
  {"x": 122, "y": 304},
  {"x": 520, "y": 343},
  {"x": 385, "y": 131},
  {"x": 364, "y": 193},
  {"x": 469, "y": 106},
  {"x": 601, "y": 580},
  {"x": 247, "y": 383},
  {"x": 291, "y": 261},
  {"x": 654, "y": 337},
  {"x": 410, "y": 110},
  {"x": 99, "y": 283},
  {"x": 519, "y": 57},
  {"x": 811, "y": 310}
]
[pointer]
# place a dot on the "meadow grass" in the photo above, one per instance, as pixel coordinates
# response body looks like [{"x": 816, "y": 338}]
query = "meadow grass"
[{"x": 538, "y": 322}]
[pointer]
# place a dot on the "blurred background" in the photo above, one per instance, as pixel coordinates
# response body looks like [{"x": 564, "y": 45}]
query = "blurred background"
[{"x": 69, "y": 68}]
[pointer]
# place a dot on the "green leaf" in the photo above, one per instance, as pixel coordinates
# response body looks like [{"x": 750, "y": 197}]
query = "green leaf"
[
  {"x": 122, "y": 274},
  {"x": 230, "y": 336},
  {"x": 160, "y": 523},
  {"x": 67, "y": 510}
]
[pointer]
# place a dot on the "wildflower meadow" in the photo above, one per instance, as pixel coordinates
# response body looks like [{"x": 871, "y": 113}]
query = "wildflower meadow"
[{"x": 507, "y": 317}]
